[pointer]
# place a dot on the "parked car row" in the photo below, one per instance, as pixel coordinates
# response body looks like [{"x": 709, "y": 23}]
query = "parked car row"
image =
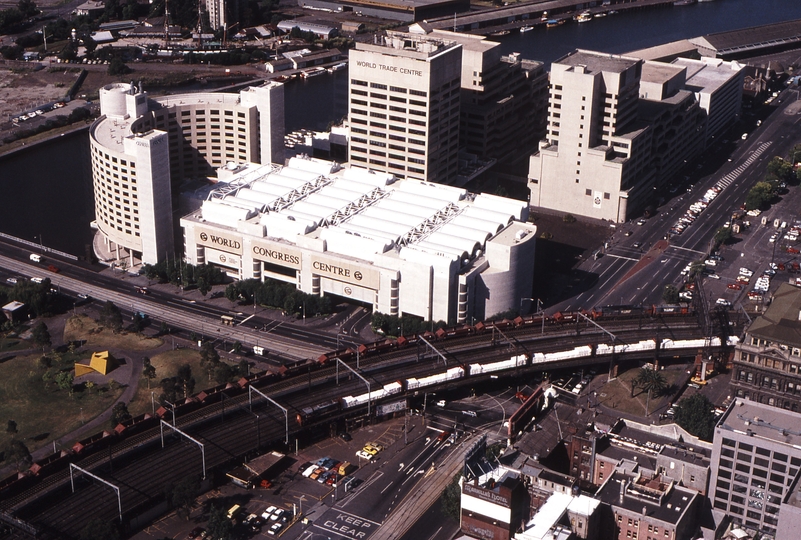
[
  {"x": 326, "y": 470},
  {"x": 695, "y": 210}
]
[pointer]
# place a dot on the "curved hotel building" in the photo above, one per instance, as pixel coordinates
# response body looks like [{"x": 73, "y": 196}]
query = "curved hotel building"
[{"x": 142, "y": 148}]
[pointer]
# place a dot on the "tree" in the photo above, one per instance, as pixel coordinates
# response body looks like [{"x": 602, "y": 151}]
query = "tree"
[
  {"x": 203, "y": 286},
  {"x": 670, "y": 294},
  {"x": 452, "y": 499},
  {"x": 17, "y": 454},
  {"x": 148, "y": 370},
  {"x": 27, "y": 7},
  {"x": 64, "y": 380},
  {"x": 780, "y": 169},
  {"x": 41, "y": 336},
  {"x": 110, "y": 316},
  {"x": 243, "y": 368},
  {"x": 100, "y": 529},
  {"x": 219, "y": 526},
  {"x": 119, "y": 413},
  {"x": 11, "y": 429},
  {"x": 723, "y": 235},
  {"x": 651, "y": 381},
  {"x": 759, "y": 196},
  {"x": 696, "y": 415},
  {"x": 186, "y": 380},
  {"x": 118, "y": 67},
  {"x": 183, "y": 495},
  {"x": 222, "y": 373}
]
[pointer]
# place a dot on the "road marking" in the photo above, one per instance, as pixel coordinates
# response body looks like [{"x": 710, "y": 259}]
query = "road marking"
[
  {"x": 621, "y": 257},
  {"x": 687, "y": 249}
]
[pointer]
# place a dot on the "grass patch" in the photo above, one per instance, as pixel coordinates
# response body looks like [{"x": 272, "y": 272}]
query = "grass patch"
[
  {"x": 616, "y": 394},
  {"x": 82, "y": 328},
  {"x": 167, "y": 364},
  {"x": 12, "y": 344},
  {"x": 44, "y": 413}
]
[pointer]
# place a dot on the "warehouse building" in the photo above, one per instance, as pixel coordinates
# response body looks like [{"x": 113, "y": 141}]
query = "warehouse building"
[{"x": 399, "y": 246}]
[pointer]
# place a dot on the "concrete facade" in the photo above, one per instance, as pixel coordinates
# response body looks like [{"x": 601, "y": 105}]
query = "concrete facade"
[
  {"x": 143, "y": 148},
  {"x": 619, "y": 128},
  {"x": 767, "y": 363},
  {"x": 404, "y": 97},
  {"x": 756, "y": 457},
  {"x": 410, "y": 247}
]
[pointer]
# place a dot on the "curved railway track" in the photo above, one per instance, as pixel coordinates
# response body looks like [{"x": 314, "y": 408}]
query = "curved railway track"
[{"x": 141, "y": 468}]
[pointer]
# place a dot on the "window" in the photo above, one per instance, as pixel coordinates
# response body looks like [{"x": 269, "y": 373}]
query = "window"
[
  {"x": 378, "y": 85},
  {"x": 588, "y": 192}
]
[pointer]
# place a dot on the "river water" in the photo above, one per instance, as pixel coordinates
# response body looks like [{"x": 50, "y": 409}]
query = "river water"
[{"x": 47, "y": 190}]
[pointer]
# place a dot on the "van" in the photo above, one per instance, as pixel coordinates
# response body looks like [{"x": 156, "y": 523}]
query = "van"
[
  {"x": 234, "y": 511},
  {"x": 36, "y": 258}
]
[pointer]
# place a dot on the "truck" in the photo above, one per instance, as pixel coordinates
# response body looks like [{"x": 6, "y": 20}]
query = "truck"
[{"x": 36, "y": 258}]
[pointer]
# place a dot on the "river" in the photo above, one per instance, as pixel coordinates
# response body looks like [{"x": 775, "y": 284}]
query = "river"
[{"x": 47, "y": 190}]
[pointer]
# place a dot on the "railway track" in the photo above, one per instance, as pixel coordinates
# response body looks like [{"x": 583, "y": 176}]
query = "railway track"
[{"x": 141, "y": 468}]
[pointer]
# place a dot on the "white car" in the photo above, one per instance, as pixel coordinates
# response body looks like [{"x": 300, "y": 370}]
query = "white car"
[
  {"x": 746, "y": 272},
  {"x": 713, "y": 276},
  {"x": 269, "y": 512},
  {"x": 722, "y": 302},
  {"x": 686, "y": 295}
]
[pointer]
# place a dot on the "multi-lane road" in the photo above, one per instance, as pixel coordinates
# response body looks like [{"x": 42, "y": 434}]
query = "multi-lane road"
[
  {"x": 603, "y": 282},
  {"x": 285, "y": 341}
]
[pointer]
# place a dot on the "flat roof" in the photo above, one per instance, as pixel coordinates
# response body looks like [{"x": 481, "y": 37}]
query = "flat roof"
[
  {"x": 762, "y": 422},
  {"x": 674, "y": 502},
  {"x": 707, "y": 74},
  {"x": 596, "y": 62},
  {"x": 781, "y": 322},
  {"x": 659, "y": 72},
  {"x": 666, "y": 51}
]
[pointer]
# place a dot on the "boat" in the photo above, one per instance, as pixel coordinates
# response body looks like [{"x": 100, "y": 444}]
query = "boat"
[
  {"x": 282, "y": 78},
  {"x": 584, "y": 17},
  {"x": 683, "y": 2},
  {"x": 600, "y": 15},
  {"x": 554, "y": 22},
  {"x": 313, "y": 72},
  {"x": 500, "y": 33},
  {"x": 337, "y": 67},
  {"x": 526, "y": 29}
]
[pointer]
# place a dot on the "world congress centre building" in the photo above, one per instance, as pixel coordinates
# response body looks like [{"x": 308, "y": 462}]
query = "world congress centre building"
[{"x": 400, "y": 246}]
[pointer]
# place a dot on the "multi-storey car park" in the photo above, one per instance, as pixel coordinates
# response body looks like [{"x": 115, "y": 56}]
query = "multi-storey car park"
[{"x": 402, "y": 246}]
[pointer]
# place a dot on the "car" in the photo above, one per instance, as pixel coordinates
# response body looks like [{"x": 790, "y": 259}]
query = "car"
[
  {"x": 686, "y": 295},
  {"x": 268, "y": 512},
  {"x": 11, "y": 280},
  {"x": 754, "y": 295},
  {"x": 316, "y": 474},
  {"x": 694, "y": 385},
  {"x": 792, "y": 250},
  {"x": 746, "y": 272},
  {"x": 441, "y": 403},
  {"x": 83, "y": 296},
  {"x": 37, "y": 279},
  {"x": 636, "y": 245},
  {"x": 711, "y": 262},
  {"x": 364, "y": 455},
  {"x": 307, "y": 472},
  {"x": 470, "y": 413},
  {"x": 627, "y": 233},
  {"x": 277, "y": 514},
  {"x": 713, "y": 276},
  {"x": 743, "y": 279},
  {"x": 197, "y": 533},
  {"x": 773, "y": 238},
  {"x": 734, "y": 286},
  {"x": 275, "y": 528},
  {"x": 53, "y": 268},
  {"x": 254, "y": 522},
  {"x": 744, "y": 136},
  {"x": 345, "y": 436},
  {"x": 641, "y": 222},
  {"x": 722, "y": 302}
]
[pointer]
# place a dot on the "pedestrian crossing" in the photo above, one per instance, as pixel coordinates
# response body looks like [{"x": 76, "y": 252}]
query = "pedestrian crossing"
[{"x": 732, "y": 176}]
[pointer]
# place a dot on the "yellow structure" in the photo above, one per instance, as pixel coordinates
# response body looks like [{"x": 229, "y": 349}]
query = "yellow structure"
[{"x": 101, "y": 362}]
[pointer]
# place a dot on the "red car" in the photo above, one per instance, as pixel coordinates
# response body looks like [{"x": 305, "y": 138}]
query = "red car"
[
  {"x": 54, "y": 269},
  {"x": 792, "y": 250},
  {"x": 734, "y": 286}
]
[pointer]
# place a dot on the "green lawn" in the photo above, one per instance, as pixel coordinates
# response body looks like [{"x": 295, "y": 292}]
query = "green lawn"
[
  {"x": 166, "y": 365},
  {"x": 44, "y": 413}
]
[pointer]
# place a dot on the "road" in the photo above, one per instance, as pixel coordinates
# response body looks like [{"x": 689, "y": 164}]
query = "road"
[
  {"x": 745, "y": 165},
  {"x": 286, "y": 340}
]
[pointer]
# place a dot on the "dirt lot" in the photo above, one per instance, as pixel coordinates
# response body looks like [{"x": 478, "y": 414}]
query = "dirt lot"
[{"x": 21, "y": 90}]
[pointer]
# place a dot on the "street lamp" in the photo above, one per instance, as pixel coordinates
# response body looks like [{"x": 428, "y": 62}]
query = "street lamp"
[{"x": 340, "y": 333}]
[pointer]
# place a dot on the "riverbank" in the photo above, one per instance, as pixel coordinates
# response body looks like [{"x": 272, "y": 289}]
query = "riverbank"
[{"x": 22, "y": 145}]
